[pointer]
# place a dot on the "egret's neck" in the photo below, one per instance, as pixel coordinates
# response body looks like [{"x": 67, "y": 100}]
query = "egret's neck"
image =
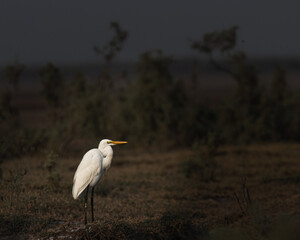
[{"x": 107, "y": 154}]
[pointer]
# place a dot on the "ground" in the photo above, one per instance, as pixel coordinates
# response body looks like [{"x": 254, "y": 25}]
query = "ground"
[{"x": 241, "y": 192}]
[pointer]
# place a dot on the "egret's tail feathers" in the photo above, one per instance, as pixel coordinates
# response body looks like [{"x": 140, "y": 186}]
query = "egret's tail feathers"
[
  {"x": 75, "y": 193},
  {"x": 78, "y": 187},
  {"x": 83, "y": 177}
]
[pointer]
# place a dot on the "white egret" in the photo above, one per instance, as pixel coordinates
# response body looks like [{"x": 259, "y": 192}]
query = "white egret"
[{"x": 91, "y": 169}]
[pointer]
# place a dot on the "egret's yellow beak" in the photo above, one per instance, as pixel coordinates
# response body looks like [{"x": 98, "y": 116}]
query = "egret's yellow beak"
[{"x": 117, "y": 142}]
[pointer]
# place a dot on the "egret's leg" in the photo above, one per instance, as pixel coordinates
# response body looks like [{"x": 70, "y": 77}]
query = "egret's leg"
[
  {"x": 85, "y": 204},
  {"x": 92, "y": 203}
]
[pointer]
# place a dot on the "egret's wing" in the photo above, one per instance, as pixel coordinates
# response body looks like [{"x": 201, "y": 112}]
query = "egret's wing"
[
  {"x": 88, "y": 168},
  {"x": 81, "y": 181}
]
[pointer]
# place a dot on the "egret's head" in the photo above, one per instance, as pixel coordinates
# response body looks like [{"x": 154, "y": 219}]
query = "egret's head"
[{"x": 108, "y": 142}]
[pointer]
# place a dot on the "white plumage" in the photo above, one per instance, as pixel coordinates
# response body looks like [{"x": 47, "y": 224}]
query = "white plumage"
[{"x": 91, "y": 169}]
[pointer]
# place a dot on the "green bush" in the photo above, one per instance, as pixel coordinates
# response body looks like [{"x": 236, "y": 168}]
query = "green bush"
[
  {"x": 12, "y": 74},
  {"x": 254, "y": 113},
  {"x": 158, "y": 101},
  {"x": 152, "y": 107},
  {"x": 52, "y": 81}
]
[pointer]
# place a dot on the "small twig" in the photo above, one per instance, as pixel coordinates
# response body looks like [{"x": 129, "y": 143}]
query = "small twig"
[
  {"x": 238, "y": 200},
  {"x": 245, "y": 203},
  {"x": 246, "y": 194},
  {"x": 219, "y": 67}
]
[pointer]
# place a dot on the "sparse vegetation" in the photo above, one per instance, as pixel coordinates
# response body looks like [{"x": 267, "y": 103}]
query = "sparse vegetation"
[
  {"x": 188, "y": 192},
  {"x": 252, "y": 113},
  {"x": 52, "y": 84},
  {"x": 158, "y": 106},
  {"x": 158, "y": 201},
  {"x": 53, "y": 176},
  {"x": 12, "y": 74},
  {"x": 110, "y": 50}
]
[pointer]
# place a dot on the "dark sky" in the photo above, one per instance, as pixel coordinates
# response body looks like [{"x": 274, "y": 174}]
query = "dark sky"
[{"x": 65, "y": 31}]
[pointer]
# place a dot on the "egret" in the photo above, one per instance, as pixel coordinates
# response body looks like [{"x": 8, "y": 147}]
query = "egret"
[{"x": 91, "y": 169}]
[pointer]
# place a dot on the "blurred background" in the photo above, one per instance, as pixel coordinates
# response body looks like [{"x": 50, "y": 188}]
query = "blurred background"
[
  {"x": 187, "y": 73},
  {"x": 163, "y": 75}
]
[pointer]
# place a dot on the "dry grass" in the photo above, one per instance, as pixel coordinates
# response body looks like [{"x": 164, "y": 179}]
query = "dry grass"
[{"x": 147, "y": 195}]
